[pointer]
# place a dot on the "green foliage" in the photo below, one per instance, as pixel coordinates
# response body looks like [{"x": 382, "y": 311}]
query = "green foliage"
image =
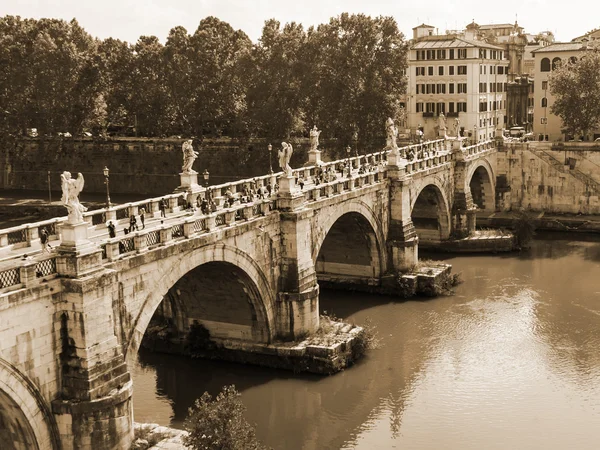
[
  {"x": 576, "y": 87},
  {"x": 220, "y": 423},
  {"x": 346, "y": 76},
  {"x": 524, "y": 229},
  {"x": 144, "y": 438}
]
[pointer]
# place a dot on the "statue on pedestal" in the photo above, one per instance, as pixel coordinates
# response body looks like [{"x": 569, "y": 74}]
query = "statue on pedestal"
[
  {"x": 442, "y": 125},
  {"x": 314, "y": 138},
  {"x": 285, "y": 154},
  {"x": 71, "y": 187},
  {"x": 391, "y": 132},
  {"x": 189, "y": 156},
  {"x": 457, "y": 127}
]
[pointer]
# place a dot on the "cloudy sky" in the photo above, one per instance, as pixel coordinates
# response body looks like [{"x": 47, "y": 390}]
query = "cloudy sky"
[{"x": 129, "y": 19}]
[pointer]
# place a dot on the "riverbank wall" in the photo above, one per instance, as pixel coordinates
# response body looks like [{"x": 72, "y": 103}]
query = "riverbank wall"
[{"x": 551, "y": 177}]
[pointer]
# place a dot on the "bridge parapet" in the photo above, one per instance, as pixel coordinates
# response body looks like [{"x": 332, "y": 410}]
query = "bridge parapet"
[{"x": 476, "y": 150}]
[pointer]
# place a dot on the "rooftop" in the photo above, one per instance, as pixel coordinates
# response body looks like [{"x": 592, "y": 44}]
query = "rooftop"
[
  {"x": 423, "y": 25},
  {"x": 450, "y": 41},
  {"x": 560, "y": 47}
]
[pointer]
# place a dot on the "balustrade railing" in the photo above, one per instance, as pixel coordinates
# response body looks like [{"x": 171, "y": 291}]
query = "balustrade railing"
[
  {"x": 45, "y": 268},
  {"x": 10, "y": 277}
]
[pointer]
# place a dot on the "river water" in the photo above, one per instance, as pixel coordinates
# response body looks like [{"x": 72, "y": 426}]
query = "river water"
[{"x": 511, "y": 361}]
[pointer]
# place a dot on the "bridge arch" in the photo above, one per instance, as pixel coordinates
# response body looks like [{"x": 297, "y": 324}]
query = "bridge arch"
[
  {"x": 361, "y": 211},
  {"x": 480, "y": 181},
  {"x": 428, "y": 202},
  {"x": 27, "y": 421},
  {"x": 262, "y": 298}
]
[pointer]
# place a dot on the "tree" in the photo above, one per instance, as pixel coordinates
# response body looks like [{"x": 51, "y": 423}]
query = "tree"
[
  {"x": 360, "y": 65},
  {"x": 220, "y": 423},
  {"x": 275, "y": 94},
  {"x": 576, "y": 88}
]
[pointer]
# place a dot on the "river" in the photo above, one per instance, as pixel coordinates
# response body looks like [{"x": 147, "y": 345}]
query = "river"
[{"x": 511, "y": 361}]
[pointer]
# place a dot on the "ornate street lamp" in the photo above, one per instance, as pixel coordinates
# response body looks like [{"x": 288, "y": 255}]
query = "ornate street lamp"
[
  {"x": 206, "y": 176},
  {"x": 270, "y": 147},
  {"x": 106, "y": 180}
]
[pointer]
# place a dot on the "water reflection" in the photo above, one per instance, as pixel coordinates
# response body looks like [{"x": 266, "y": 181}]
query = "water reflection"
[{"x": 510, "y": 361}]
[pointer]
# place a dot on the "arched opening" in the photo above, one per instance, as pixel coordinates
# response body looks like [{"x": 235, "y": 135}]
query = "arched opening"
[
  {"x": 544, "y": 102},
  {"x": 217, "y": 299},
  {"x": 573, "y": 59},
  {"x": 430, "y": 216},
  {"x": 349, "y": 251},
  {"x": 555, "y": 63},
  {"x": 482, "y": 190},
  {"x": 545, "y": 65},
  {"x": 15, "y": 431}
]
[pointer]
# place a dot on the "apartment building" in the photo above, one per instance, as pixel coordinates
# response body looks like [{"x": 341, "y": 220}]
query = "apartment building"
[{"x": 458, "y": 76}]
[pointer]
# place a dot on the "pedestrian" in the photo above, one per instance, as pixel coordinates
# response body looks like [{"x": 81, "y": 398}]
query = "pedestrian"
[
  {"x": 132, "y": 223},
  {"x": 143, "y": 217},
  {"x": 44, "y": 241},
  {"x": 162, "y": 206},
  {"x": 111, "y": 229},
  {"x": 269, "y": 188},
  {"x": 301, "y": 183},
  {"x": 204, "y": 206}
]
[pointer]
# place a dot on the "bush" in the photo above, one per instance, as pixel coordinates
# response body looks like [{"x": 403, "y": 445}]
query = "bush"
[
  {"x": 524, "y": 229},
  {"x": 220, "y": 423}
]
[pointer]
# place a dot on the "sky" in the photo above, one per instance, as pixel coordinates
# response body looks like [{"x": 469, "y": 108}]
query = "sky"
[{"x": 129, "y": 19}]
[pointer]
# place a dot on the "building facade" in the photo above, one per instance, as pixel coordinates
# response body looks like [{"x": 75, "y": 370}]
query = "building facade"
[
  {"x": 548, "y": 126},
  {"x": 462, "y": 78}
]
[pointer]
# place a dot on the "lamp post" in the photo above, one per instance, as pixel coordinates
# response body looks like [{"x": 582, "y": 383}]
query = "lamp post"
[
  {"x": 206, "y": 176},
  {"x": 106, "y": 180},
  {"x": 270, "y": 147},
  {"x": 348, "y": 150}
]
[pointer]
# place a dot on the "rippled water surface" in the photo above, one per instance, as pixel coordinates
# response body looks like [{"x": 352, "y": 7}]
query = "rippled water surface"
[{"x": 512, "y": 361}]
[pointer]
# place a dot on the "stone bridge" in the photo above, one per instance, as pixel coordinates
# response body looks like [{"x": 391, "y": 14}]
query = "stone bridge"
[{"x": 72, "y": 319}]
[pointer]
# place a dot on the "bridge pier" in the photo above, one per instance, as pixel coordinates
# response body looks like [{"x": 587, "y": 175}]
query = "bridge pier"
[
  {"x": 402, "y": 242},
  {"x": 298, "y": 298},
  {"x": 93, "y": 409}
]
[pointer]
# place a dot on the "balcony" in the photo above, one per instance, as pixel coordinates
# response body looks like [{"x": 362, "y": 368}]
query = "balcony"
[
  {"x": 428, "y": 114},
  {"x": 452, "y": 114}
]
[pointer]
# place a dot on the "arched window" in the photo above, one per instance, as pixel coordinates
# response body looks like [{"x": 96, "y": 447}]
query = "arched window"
[
  {"x": 573, "y": 59},
  {"x": 555, "y": 62},
  {"x": 544, "y": 102},
  {"x": 545, "y": 67}
]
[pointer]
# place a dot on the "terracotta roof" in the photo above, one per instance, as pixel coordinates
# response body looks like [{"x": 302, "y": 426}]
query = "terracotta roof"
[
  {"x": 560, "y": 47},
  {"x": 423, "y": 25}
]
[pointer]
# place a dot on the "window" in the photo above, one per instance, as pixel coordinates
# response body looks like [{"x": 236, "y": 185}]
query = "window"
[
  {"x": 419, "y": 107},
  {"x": 430, "y": 54},
  {"x": 441, "y": 70},
  {"x": 441, "y": 54},
  {"x": 544, "y": 85},
  {"x": 440, "y": 108},
  {"x": 450, "y": 88},
  {"x": 500, "y": 70},
  {"x": 428, "y": 88},
  {"x": 461, "y": 106},
  {"x": 544, "y": 120},
  {"x": 430, "y": 107},
  {"x": 420, "y": 88},
  {"x": 555, "y": 62},
  {"x": 573, "y": 59},
  {"x": 544, "y": 102},
  {"x": 483, "y": 106},
  {"x": 441, "y": 88},
  {"x": 482, "y": 53},
  {"x": 462, "y": 53},
  {"x": 451, "y": 53},
  {"x": 462, "y": 70},
  {"x": 420, "y": 71},
  {"x": 462, "y": 88},
  {"x": 430, "y": 71},
  {"x": 450, "y": 107},
  {"x": 492, "y": 70},
  {"x": 451, "y": 70},
  {"x": 545, "y": 65},
  {"x": 482, "y": 87}
]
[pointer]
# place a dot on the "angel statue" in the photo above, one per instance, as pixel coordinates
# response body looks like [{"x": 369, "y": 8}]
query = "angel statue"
[
  {"x": 314, "y": 138},
  {"x": 70, "y": 192},
  {"x": 285, "y": 154},
  {"x": 189, "y": 156},
  {"x": 392, "y": 132}
]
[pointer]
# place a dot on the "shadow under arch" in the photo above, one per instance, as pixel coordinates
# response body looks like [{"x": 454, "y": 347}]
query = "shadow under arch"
[
  {"x": 481, "y": 182},
  {"x": 32, "y": 425},
  {"x": 430, "y": 212},
  {"x": 263, "y": 302},
  {"x": 367, "y": 214}
]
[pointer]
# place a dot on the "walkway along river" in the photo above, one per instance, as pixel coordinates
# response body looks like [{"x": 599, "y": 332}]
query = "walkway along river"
[{"x": 512, "y": 361}]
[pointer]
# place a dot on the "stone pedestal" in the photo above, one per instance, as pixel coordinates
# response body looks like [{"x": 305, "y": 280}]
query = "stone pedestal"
[
  {"x": 289, "y": 197},
  {"x": 188, "y": 180},
  {"x": 77, "y": 255},
  {"x": 396, "y": 165},
  {"x": 314, "y": 157}
]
